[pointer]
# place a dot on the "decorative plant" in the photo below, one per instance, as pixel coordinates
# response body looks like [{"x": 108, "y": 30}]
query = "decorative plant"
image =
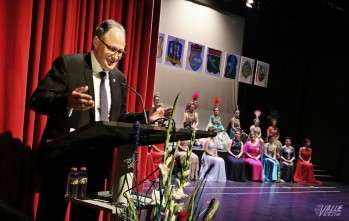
[{"x": 166, "y": 199}]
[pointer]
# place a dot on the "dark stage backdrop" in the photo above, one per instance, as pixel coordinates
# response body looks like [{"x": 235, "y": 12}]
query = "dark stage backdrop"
[
  {"x": 307, "y": 45},
  {"x": 34, "y": 33}
]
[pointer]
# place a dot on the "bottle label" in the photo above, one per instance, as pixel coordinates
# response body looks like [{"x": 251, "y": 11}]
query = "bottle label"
[
  {"x": 83, "y": 180},
  {"x": 74, "y": 181}
]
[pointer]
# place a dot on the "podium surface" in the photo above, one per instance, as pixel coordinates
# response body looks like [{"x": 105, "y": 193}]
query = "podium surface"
[{"x": 117, "y": 133}]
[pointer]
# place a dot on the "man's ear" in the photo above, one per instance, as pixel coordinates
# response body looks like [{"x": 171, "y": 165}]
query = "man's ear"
[{"x": 95, "y": 41}]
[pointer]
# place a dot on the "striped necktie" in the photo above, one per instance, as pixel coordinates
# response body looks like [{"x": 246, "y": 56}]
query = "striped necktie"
[{"x": 103, "y": 98}]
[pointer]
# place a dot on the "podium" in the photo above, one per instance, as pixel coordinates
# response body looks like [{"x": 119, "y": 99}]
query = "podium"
[{"x": 106, "y": 134}]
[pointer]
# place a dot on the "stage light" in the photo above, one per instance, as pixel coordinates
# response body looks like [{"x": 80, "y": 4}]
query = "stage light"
[{"x": 249, "y": 3}]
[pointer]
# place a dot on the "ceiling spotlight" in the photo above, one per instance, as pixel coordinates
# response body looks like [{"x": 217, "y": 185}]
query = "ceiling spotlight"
[{"x": 249, "y": 3}]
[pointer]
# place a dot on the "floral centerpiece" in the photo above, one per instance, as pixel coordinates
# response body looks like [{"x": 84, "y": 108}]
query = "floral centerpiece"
[{"x": 167, "y": 199}]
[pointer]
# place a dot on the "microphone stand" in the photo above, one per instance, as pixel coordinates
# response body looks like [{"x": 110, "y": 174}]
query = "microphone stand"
[
  {"x": 140, "y": 97},
  {"x": 136, "y": 151}
]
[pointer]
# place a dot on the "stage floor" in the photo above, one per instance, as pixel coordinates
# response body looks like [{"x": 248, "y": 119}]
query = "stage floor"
[
  {"x": 245, "y": 201},
  {"x": 274, "y": 201}
]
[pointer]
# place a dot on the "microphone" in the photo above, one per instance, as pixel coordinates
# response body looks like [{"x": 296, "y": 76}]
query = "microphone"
[{"x": 140, "y": 97}]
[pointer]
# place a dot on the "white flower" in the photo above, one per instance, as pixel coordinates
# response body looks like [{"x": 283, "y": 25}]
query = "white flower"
[
  {"x": 186, "y": 184},
  {"x": 164, "y": 172},
  {"x": 186, "y": 173},
  {"x": 178, "y": 181},
  {"x": 180, "y": 206},
  {"x": 179, "y": 194},
  {"x": 155, "y": 198},
  {"x": 168, "y": 160}
]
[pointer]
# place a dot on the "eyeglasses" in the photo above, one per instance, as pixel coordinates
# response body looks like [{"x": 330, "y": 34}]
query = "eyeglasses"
[{"x": 111, "y": 49}]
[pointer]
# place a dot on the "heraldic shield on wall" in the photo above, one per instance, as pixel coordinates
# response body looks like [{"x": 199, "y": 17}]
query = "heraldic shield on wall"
[
  {"x": 213, "y": 61},
  {"x": 261, "y": 74},
  {"x": 195, "y": 55},
  {"x": 175, "y": 48},
  {"x": 246, "y": 70},
  {"x": 232, "y": 65}
]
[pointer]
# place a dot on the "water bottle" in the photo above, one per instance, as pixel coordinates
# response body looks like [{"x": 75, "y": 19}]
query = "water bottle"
[
  {"x": 72, "y": 183},
  {"x": 82, "y": 175}
]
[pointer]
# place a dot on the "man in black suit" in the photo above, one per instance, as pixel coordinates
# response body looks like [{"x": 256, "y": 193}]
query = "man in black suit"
[{"x": 70, "y": 96}]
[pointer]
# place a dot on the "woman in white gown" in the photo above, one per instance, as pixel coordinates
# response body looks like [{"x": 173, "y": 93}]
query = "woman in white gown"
[{"x": 210, "y": 156}]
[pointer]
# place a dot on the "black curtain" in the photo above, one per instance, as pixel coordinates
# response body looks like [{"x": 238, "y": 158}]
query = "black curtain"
[{"x": 307, "y": 46}]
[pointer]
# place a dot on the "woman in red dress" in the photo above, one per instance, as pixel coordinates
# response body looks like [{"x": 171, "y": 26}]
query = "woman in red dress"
[{"x": 304, "y": 170}]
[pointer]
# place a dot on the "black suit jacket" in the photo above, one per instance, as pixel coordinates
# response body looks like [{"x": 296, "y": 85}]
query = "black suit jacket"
[{"x": 67, "y": 73}]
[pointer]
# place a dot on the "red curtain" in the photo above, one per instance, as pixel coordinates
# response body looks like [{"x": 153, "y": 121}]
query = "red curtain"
[{"x": 35, "y": 32}]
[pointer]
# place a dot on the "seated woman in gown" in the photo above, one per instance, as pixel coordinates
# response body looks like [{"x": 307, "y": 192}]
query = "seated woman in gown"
[
  {"x": 193, "y": 161},
  {"x": 255, "y": 127},
  {"x": 271, "y": 166},
  {"x": 252, "y": 154},
  {"x": 274, "y": 130},
  {"x": 210, "y": 156},
  {"x": 155, "y": 153},
  {"x": 191, "y": 117},
  {"x": 236, "y": 126},
  {"x": 235, "y": 123},
  {"x": 215, "y": 124},
  {"x": 234, "y": 163},
  {"x": 287, "y": 155},
  {"x": 304, "y": 169}
]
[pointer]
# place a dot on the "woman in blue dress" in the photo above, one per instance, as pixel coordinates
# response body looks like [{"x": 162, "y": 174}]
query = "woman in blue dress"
[
  {"x": 235, "y": 165},
  {"x": 210, "y": 156},
  {"x": 271, "y": 166}
]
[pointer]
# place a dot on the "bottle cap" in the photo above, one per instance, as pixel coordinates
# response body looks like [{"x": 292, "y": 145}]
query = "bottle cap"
[
  {"x": 82, "y": 168},
  {"x": 74, "y": 168}
]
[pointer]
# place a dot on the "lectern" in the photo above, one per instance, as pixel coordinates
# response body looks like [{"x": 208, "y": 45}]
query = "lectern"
[{"x": 120, "y": 135}]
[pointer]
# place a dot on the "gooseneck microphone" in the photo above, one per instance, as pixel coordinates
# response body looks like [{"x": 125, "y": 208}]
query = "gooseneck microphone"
[{"x": 140, "y": 97}]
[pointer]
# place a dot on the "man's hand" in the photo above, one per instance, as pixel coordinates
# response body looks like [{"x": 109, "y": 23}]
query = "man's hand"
[{"x": 78, "y": 100}]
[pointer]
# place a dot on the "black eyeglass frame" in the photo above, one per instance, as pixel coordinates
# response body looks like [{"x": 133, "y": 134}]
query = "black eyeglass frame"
[{"x": 111, "y": 49}]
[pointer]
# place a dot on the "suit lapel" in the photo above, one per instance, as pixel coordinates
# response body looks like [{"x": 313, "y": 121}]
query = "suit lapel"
[
  {"x": 89, "y": 80},
  {"x": 115, "y": 88}
]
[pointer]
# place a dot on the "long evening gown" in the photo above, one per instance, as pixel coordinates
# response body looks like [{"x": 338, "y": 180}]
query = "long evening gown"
[
  {"x": 223, "y": 137},
  {"x": 218, "y": 171},
  {"x": 276, "y": 132},
  {"x": 236, "y": 125},
  {"x": 271, "y": 167},
  {"x": 305, "y": 171},
  {"x": 193, "y": 162},
  {"x": 255, "y": 165},
  {"x": 235, "y": 168},
  {"x": 287, "y": 169}
]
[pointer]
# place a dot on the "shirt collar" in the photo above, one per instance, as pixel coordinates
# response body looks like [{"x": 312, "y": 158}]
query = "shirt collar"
[{"x": 96, "y": 67}]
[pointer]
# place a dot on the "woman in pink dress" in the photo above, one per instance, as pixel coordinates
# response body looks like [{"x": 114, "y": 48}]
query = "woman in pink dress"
[
  {"x": 305, "y": 170},
  {"x": 252, "y": 154}
]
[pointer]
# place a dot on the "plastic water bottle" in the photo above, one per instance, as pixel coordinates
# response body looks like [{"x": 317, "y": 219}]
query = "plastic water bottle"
[
  {"x": 72, "y": 183},
  {"x": 82, "y": 175}
]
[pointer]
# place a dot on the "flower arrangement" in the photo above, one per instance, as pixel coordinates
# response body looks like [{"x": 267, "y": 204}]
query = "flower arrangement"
[{"x": 166, "y": 198}]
